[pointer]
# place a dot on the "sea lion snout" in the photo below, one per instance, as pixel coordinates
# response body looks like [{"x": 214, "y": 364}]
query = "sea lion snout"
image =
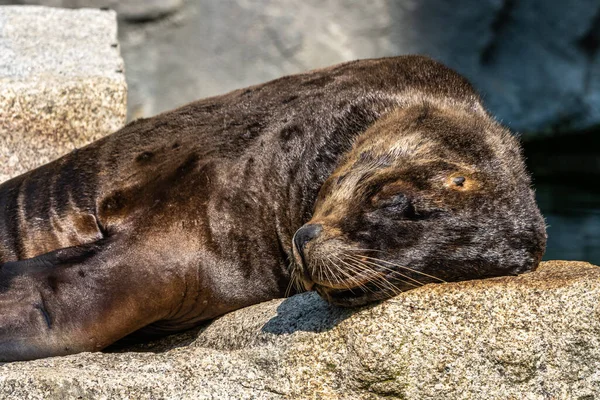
[
  {"x": 305, "y": 234},
  {"x": 302, "y": 237}
]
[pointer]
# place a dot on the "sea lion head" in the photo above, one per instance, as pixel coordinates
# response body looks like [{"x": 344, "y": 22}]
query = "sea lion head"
[{"x": 428, "y": 193}]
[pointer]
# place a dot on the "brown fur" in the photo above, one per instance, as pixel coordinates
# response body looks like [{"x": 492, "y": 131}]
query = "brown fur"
[
  {"x": 182, "y": 217},
  {"x": 399, "y": 182}
]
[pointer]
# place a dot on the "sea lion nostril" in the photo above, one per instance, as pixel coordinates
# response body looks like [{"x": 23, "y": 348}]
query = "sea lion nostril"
[{"x": 305, "y": 234}]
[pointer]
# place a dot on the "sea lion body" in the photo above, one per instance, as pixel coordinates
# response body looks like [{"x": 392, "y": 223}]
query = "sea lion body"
[{"x": 185, "y": 216}]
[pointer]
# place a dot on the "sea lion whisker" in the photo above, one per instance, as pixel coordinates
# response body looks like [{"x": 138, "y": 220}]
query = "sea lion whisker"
[
  {"x": 321, "y": 272},
  {"x": 334, "y": 268},
  {"x": 346, "y": 274},
  {"x": 350, "y": 265},
  {"x": 386, "y": 284},
  {"x": 292, "y": 282},
  {"x": 406, "y": 268},
  {"x": 388, "y": 269},
  {"x": 390, "y": 263},
  {"x": 357, "y": 270},
  {"x": 384, "y": 280},
  {"x": 329, "y": 274},
  {"x": 354, "y": 279},
  {"x": 298, "y": 282},
  {"x": 371, "y": 263}
]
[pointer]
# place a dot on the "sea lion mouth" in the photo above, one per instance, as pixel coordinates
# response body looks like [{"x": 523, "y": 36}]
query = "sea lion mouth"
[
  {"x": 344, "y": 286},
  {"x": 331, "y": 282},
  {"x": 350, "y": 297},
  {"x": 352, "y": 291}
]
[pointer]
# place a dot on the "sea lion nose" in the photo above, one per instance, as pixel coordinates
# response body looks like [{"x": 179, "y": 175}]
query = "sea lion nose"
[{"x": 305, "y": 234}]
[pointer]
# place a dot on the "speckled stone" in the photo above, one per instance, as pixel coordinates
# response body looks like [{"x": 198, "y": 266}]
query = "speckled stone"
[
  {"x": 535, "y": 336},
  {"x": 61, "y": 83},
  {"x": 136, "y": 10}
]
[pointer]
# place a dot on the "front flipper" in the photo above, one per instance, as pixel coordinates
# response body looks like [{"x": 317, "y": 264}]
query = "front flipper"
[{"x": 82, "y": 299}]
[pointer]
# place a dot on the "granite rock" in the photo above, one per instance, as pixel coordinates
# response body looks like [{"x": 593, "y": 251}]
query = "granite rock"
[
  {"x": 134, "y": 10},
  {"x": 535, "y": 336},
  {"x": 62, "y": 83}
]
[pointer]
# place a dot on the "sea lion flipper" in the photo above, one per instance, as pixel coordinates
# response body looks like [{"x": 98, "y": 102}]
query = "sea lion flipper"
[{"x": 76, "y": 299}]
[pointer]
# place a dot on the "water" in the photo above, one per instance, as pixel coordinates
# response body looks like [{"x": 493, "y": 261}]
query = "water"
[
  {"x": 566, "y": 172},
  {"x": 573, "y": 219}
]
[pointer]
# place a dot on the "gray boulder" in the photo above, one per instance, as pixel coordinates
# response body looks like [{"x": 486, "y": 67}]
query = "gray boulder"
[
  {"x": 135, "y": 10},
  {"x": 536, "y": 62},
  {"x": 61, "y": 83},
  {"x": 534, "y": 336}
]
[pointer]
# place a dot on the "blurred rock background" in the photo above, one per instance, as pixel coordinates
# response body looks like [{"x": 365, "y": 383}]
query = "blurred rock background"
[{"x": 535, "y": 62}]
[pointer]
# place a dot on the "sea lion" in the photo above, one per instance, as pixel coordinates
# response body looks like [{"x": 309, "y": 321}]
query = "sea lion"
[{"x": 359, "y": 180}]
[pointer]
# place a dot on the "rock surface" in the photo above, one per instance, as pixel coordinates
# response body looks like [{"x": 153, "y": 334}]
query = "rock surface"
[
  {"x": 135, "y": 10},
  {"x": 536, "y": 336},
  {"x": 61, "y": 83}
]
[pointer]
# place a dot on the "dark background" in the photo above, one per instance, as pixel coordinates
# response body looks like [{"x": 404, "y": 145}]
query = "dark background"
[{"x": 536, "y": 64}]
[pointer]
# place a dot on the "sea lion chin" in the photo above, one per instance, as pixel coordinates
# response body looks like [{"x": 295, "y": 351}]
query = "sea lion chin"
[{"x": 368, "y": 178}]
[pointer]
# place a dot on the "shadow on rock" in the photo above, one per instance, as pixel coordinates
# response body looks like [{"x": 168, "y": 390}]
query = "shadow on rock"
[
  {"x": 140, "y": 342},
  {"x": 306, "y": 312}
]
